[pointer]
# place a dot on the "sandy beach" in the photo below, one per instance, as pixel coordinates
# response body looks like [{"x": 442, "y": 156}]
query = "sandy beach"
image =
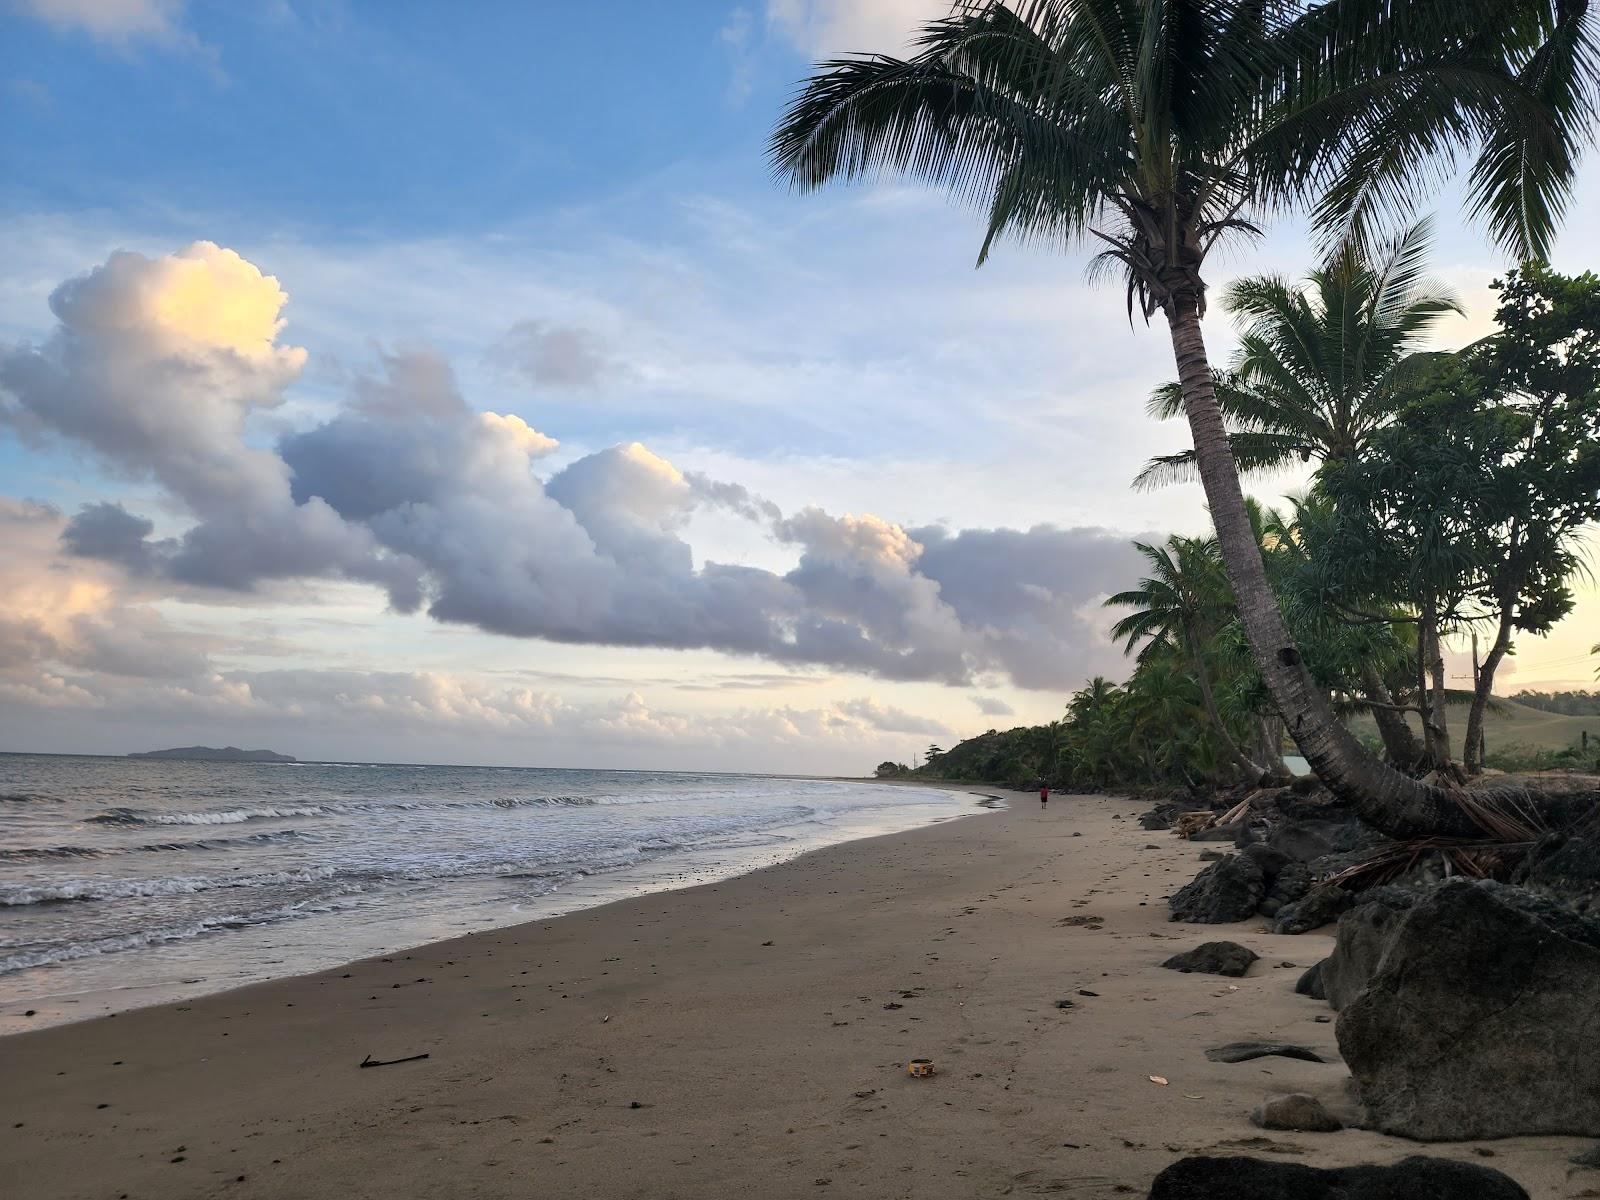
[{"x": 742, "y": 1038}]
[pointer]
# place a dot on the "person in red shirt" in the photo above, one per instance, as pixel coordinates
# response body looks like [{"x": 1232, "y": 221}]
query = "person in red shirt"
[{"x": 1044, "y": 795}]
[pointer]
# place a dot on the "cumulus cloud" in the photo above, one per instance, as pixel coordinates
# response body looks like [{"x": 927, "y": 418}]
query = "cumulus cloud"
[
  {"x": 158, "y": 366},
  {"x": 993, "y": 706}
]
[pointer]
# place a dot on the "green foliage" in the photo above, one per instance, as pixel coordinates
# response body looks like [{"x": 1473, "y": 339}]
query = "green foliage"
[
  {"x": 1521, "y": 759},
  {"x": 1475, "y": 493}
]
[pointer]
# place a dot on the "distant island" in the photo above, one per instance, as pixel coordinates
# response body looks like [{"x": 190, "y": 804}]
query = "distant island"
[{"x": 212, "y": 754}]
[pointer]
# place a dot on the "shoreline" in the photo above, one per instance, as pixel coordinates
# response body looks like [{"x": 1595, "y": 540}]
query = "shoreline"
[
  {"x": 740, "y": 1037},
  {"x": 459, "y": 906}
]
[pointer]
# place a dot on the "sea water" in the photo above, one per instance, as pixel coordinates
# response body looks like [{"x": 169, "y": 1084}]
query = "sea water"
[{"x": 126, "y": 882}]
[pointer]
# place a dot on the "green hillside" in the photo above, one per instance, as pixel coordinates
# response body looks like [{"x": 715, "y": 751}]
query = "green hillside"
[{"x": 1509, "y": 724}]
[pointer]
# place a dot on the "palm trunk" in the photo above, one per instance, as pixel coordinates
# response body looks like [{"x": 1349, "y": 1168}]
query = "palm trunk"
[
  {"x": 1203, "y": 677},
  {"x": 1399, "y": 743},
  {"x": 1386, "y": 799},
  {"x": 1440, "y": 713},
  {"x": 1481, "y": 689},
  {"x": 1430, "y": 685}
]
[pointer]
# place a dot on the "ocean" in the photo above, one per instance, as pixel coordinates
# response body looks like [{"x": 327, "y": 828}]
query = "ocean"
[{"x": 126, "y": 882}]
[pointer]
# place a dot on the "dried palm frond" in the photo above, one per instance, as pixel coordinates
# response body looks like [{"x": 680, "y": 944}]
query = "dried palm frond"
[
  {"x": 1506, "y": 816},
  {"x": 1486, "y": 858}
]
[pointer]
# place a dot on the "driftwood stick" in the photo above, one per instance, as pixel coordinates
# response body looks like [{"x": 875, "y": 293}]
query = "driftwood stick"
[{"x": 369, "y": 1061}]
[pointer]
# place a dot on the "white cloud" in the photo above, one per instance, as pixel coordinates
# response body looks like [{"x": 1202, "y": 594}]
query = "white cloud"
[{"x": 826, "y": 28}]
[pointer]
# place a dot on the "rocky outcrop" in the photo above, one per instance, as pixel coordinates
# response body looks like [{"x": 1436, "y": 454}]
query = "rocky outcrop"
[
  {"x": 1214, "y": 958},
  {"x": 1229, "y": 890},
  {"x": 1480, "y": 1019},
  {"x": 1205, "y": 1178}
]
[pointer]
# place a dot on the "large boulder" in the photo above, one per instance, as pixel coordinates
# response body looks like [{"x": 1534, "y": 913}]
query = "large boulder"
[
  {"x": 1206, "y": 1178},
  {"x": 1229, "y": 890},
  {"x": 1214, "y": 958},
  {"x": 1364, "y": 934},
  {"x": 1480, "y": 1020}
]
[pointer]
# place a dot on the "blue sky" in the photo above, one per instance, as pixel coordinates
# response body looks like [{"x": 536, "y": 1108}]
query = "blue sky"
[{"x": 567, "y": 207}]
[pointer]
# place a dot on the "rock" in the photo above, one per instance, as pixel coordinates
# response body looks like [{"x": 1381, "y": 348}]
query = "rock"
[
  {"x": 1296, "y": 1111},
  {"x": 1363, "y": 936},
  {"x": 1478, "y": 1022},
  {"x": 1305, "y": 840},
  {"x": 1288, "y": 886},
  {"x": 1212, "y": 856},
  {"x": 1230, "y": 889},
  {"x": 1214, "y": 958},
  {"x": 1160, "y": 817},
  {"x": 1235, "y": 1052},
  {"x": 1565, "y": 869},
  {"x": 1207, "y": 1178},
  {"x": 1310, "y": 982},
  {"x": 1321, "y": 905},
  {"x": 1220, "y": 833}
]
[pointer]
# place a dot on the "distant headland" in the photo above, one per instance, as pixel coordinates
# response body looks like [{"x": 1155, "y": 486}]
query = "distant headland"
[{"x": 212, "y": 754}]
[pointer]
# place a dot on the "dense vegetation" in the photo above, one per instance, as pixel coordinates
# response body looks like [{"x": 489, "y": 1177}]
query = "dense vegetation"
[{"x": 1448, "y": 495}]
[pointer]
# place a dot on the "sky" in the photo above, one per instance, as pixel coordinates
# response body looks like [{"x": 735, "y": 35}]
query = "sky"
[{"x": 405, "y": 381}]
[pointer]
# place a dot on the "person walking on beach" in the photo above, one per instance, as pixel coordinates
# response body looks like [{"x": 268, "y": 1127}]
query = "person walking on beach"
[{"x": 1044, "y": 795}]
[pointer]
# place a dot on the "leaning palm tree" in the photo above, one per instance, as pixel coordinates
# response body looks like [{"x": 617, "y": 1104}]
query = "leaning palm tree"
[
  {"x": 1158, "y": 127},
  {"x": 1179, "y": 606},
  {"x": 1322, "y": 366}
]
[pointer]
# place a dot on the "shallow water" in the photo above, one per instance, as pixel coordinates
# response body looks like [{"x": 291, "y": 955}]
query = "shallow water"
[{"x": 130, "y": 881}]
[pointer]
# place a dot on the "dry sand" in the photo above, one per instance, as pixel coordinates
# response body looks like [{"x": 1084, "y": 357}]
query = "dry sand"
[{"x": 746, "y": 1038}]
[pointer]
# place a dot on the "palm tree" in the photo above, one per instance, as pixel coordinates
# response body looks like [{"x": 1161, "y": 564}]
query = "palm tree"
[
  {"x": 1180, "y": 605},
  {"x": 1320, "y": 366},
  {"x": 1157, "y": 127}
]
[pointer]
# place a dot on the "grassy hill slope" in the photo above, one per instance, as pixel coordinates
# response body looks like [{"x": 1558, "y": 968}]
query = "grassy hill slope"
[{"x": 1509, "y": 724}]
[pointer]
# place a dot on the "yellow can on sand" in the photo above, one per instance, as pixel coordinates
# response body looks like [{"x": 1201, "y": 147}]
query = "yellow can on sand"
[{"x": 920, "y": 1067}]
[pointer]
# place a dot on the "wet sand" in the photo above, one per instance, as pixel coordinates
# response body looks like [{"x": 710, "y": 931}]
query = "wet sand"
[{"x": 743, "y": 1038}]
